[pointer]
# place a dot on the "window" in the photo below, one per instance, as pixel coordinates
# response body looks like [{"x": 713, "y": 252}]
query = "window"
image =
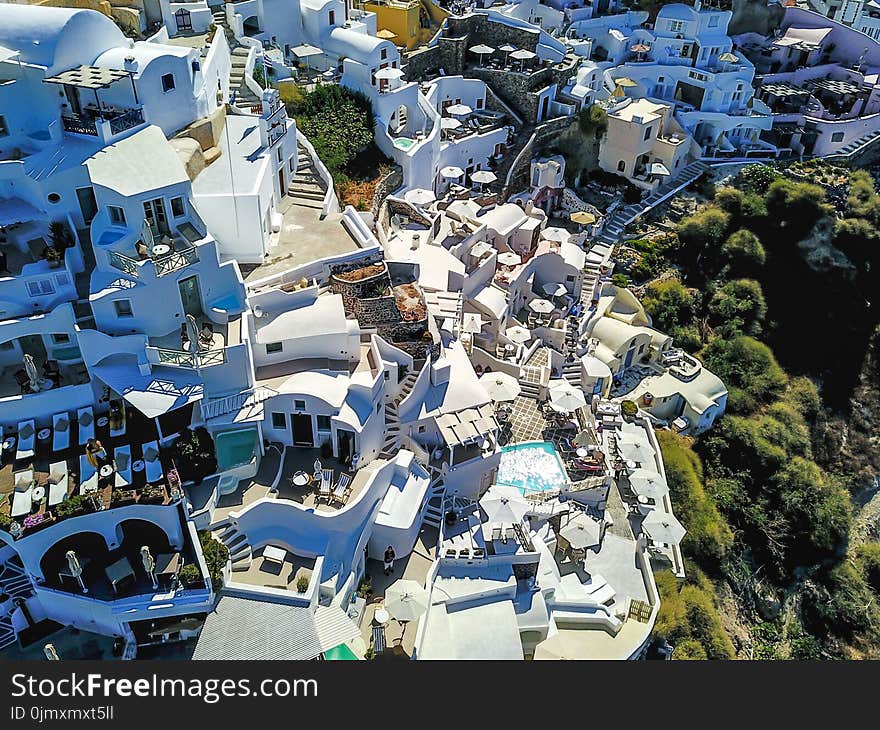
[
  {"x": 123, "y": 308},
  {"x": 421, "y": 429},
  {"x": 713, "y": 21},
  {"x": 62, "y": 280},
  {"x": 384, "y": 53},
  {"x": 676, "y": 26},
  {"x": 292, "y": 164},
  {"x": 323, "y": 423},
  {"x": 299, "y": 405},
  {"x": 40, "y": 288},
  {"x": 279, "y": 420},
  {"x": 273, "y": 347},
  {"x": 331, "y": 18},
  {"x": 621, "y": 166},
  {"x": 280, "y": 155},
  {"x": 117, "y": 215},
  {"x": 60, "y": 338},
  {"x": 648, "y": 132},
  {"x": 167, "y": 82},
  {"x": 4, "y": 128},
  {"x": 837, "y": 137},
  {"x": 479, "y": 103},
  {"x": 196, "y": 67},
  {"x": 178, "y": 209}
]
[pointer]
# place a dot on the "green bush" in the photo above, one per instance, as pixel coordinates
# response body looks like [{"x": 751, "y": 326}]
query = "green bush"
[
  {"x": 190, "y": 575},
  {"x": 743, "y": 251},
  {"x": 5, "y": 522},
  {"x": 705, "y": 228},
  {"x": 868, "y": 561},
  {"x": 671, "y": 304},
  {"x": 620, "y": 281},
  {"x": 216, "y": 556},
  {"x": 629, "y": 408},
  {"x": 748, "y": 369},
  {"x": 757, "y": 178},
  {"x": 194, "y": 455},
  {"x": 302, "y": 584},
  {"x": 74, "y": 505},
  {"x": 738, "y": 308}
]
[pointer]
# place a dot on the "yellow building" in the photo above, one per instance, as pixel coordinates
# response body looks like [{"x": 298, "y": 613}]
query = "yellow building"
[{"x": 412, "y": 22}]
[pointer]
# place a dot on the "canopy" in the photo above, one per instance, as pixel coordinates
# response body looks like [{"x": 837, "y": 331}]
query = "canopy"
[
  {"x": 541, "y": 306},
  {"x": 482, "y": 49},
  {"x": 504, "y": 504},
  {"x": 88, "y": 77},
  {"x": 566, "y": 398},
  {"x": 509, "y": 258},
  {"x": 459, "y": 109},
  {"x": 522, "y": 55},
  {"x": 634, "y": 450},
  {"x": 554, "y": 290},
  {"x": 640, "y": 48},
  {"x": 648, "y": 483},
  {"x": 450, "y": 123},
  {"x": 554, "y": 233},
  {"x": 625, "y": 82},
  {"x": 472, "y": 322},
  {"x": 484, "y": 176},
  {"x": 582, "y": 218},
  {"x": 419, "y": 196},
  {"x": 728, "y": 58},
  {"x": 507, "y": 48},
  {"x": 451, "y": 171},
  {"x": 305, "y": 50},
  {"x": 518, "y": 334},
  {"x": 389, "y": 73},
  {"x": 386, "y": 34},
  {"x": 500, "y": 386},
  {"x": 406, "y": 600},
  {"x": 581, "y": 532},
  {"x": 663, "y": 527}
]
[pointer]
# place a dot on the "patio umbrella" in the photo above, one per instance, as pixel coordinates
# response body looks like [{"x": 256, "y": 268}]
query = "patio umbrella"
[
  {"x": 626, "y": 82},
  {"x": 632, "y": 450},
  {"x": 450, "y": 123},
  {"x": 500, "y": 386},
  {"x": 640, "y": 48},
  {"x": 566, "y": 398},
  {"x": 51, "y": 654},
  {"x": 554, "y": 233},
  {"x": 618, "y": 93},
  {"x": 389, "y": 73},
  {"x": 472, "y": 322},
  {"x": 648, "y": 483},
  {"x": 518, "y": 334},
  {"x": 663, "y": 527},
  {"x": 75, "y": 568},
  {"x": 386, "y": 34},
  {"x": 582, "y": 218},
  {"x": 504, "y": 504},
  {"x": 406, "y": 600},
  {"x": 451, "y": 171},
  {"x": 507, "y": 49},
  {"x": 484, "y": 177},
  {"x": 583, "y": 439},
  {"x": 522, "y": 56},
  {"x": 509, "y": 258},
  {"x": 192, "y": 331},
  {"x": 149, "y": 564},
  {"x": 554, "y": 290},
  {"x": 33, "y": 374},
  {"x": 581, "y": 532},
  {"x": 541, "y": 306},
  {"x": 728, "y": 58},
  {"x": 419, "y": 196},
  {"x": 481, "y": 50},
  {"x": 459, "y": 110}
]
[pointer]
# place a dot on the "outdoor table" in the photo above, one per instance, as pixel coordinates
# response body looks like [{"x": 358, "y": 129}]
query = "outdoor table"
[
  {"x": 138, "y": 466},
  {"x": 160, "y": 249},
  {"x": 582, "y": 452},
  {"x": 44, "y": 434},
  {"x": 39, "y": 493},
  {"x": 118, "y": 572},
  {"x": 381, "y": 616},
  {"x": 301, "y": 479},
  {"x": 106, "y": 471},
  {"x": 103, "y": 421},
  {"x": 274, "y": 554},
  {"x": 9, "y": 443}
]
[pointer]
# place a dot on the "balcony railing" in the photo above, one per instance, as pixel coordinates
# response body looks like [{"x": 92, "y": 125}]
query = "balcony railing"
[
  {"x": 127, "y": 121},
  {"x": 176, "y": 260},
  {"x": 125, "y": 264},
  {"x": 79, "y": 125},
  {"x": 191, "y": 360}
]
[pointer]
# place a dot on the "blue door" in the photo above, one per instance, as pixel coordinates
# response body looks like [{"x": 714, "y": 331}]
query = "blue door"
[{"x": 629, "y": 357}]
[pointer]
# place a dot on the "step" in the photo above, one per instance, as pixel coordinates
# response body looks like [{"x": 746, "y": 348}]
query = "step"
[
  {"x": 308, "y": 203},
  {"x": 317, "y": 196}
]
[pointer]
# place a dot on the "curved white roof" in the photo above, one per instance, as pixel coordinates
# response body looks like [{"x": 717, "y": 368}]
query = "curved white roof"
[
  {"x": 144, "y": 54},
  {"x": 62, "y": 37},
  {"x": 504, "y": 219},
  {"x": 677, "y": 11},
  {"x": 357, "y": 46}
]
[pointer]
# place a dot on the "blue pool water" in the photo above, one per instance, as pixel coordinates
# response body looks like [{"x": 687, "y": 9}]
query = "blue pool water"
[
  {"x": 531, "y": 467},
  {"x": 235, "y": 448}
]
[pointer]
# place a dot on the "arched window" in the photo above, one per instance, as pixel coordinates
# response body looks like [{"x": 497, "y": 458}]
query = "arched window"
[
  {"x": 621, "y": 166},
  {"x": 184, "y": 21}
]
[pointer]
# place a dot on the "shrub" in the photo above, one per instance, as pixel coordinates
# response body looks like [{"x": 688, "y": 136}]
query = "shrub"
[
  {"x": 190, "y": 575},
  {"x": 868, "y": 562},
  {"x": 748, "y": 369},
  {"x": 743, "y": 250},
  {"x": 302, "y": 584},
  {"x": 620, "y": 281},
  {"x": 5, "y": 522},
  {"x": 738, "y": 308},
  {"x": 74, "y": 505},
  {"x": 193, "y": 454},
  {"x": 628, "y": 408},
  {"x": 216, "y": 556},
  {"x": 704, "y": 229},
  {"x": 671, "y": 304},
  {"x": 757, "y": 178}
]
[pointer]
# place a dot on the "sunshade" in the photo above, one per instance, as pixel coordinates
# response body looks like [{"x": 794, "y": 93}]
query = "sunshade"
[
  {"x": 386, "y": 34},
  {"x": 500, "y": 386},
  {"x": 509, "y": 258},
  {"x": 554, "y": 290},
  {"x": 451, "y": 171},
  {"x": 648, "y": 483},
  {"x": 626, "y": 82},
  {"x": 484, "y": 176},
  {"x": 305, "y": 50},
  {"x": 457, "y": 109},
  {"x": 389, "y": 73},
  {"x": 507, "y": 48},
  {"x": 663, "y": 527},
  {"x": 634, "y": 450},
  {"x": 581, "y": 532},
  {"x": 728, "y": 58},
  {"x": 450, "y": 123},
  {"x": 522, "y": 55},
  {"x": 541, "y": 306},
  {"x": 504, "y": 504},
  {"x": 419, "y": 196},
  {"x": 406, "y": 600},
  {"x": 566, "y": 398},
  {"x": 518, "y": 334},
  {"x": 640, "y": 48},
  {"x": 471, "y": 322},
  {"x": 553, "y": 233},
  {"x": 482, "y": 49},
  {"x": 582, "y": 218}
]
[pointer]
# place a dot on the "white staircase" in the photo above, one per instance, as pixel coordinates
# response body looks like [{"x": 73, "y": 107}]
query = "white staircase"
[
  {"x": 15, "y": 583},
  {"x": 246, "y": 400},
  {"x": 307, "y": 188},
  {"x": 240, "y": 552},
  {"x": 434, "y": 511},
  {"x": 392, "y": 414}
]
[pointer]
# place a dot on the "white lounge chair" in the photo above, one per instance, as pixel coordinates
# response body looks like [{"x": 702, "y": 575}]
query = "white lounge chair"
[
  {"x": 343, "y": 488},
  {"x": 23, "y": 494},
  {"x": 326, "y": 482},
  {"x": 152, "y": 464},
  {"x": 58, "y": 483},
  {"x": 60, "y": 431},
  {"x": 88, "y": 476},
  {"x": 86, "y": 425},
  {"x": 26, "y": 435},
  {"x": 122, "y": 462}
]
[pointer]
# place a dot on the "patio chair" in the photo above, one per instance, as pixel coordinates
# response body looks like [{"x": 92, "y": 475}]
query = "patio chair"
[
  {"x": 57, "y": 483},
  {"x": 122, "y": 462},
  {"x": 23, "y": 381},
  {"x": 206, "y": 336},
  {"x": 343, "y": 488},
  {"x": 86, "y": 420},
  {"x": 23, "y": 494},
  {"x": 378, "y": 639},
  {"x": 152, "y": 464},
  {"x": 326, "y": 482},
  {"x": 60, "y": 431},
  {"x": 88, "y": 476},
  {"x": 26, "y": 436}
]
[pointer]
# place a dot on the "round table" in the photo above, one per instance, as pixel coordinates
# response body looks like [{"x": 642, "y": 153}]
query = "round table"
[
  {"x": 582, "y": 452},
  {"x": 631, "y": 465},
  {"x": 103, "y": 421},
  {"x": 381, "y": 616},
  {"x": 160, "y": 249},
  {"x": 138, "y": 466},
  {"x": 44, "y": 434},
  {"x": 9, "y": 443},
  {"x": 642, "y": 499},
  {"x": 106, "y": 470},
  {"x": 39, "y": 493},
  {"x": 300, "y": 479}
]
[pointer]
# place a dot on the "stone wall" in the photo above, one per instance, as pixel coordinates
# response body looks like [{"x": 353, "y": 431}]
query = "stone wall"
[
  {"x": 544, "y": 134},
  {"x": 387, "y": 185}
]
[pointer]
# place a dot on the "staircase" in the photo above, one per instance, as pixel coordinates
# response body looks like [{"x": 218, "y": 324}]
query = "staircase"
[
  {"x": 531, "y": 374},
  {"x": 392, "y": 414},
  {"x": 240, "y": 553},
  {"x": 15, "y": 583},
  {"x": 307, "y": 188},
  {"x": 856, "y": 145},
  {"x": 243, "y": 97},
  {"x": 434, "y": 510}
]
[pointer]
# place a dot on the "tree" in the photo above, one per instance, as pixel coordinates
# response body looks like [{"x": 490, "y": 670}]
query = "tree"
[
  {"x": 620, "y": 281},
  {"x": 738, "y": 308},
  {"x": 742, "y": 251},
  {"x": 795, "y": 205},
  {"x": 757, "y": 178},
  {"x": 868, "y": 562},
  {"x": 749, "y": 370},
  {"x": 671, "y": 304},
  {"x": 704, "y": 229}
]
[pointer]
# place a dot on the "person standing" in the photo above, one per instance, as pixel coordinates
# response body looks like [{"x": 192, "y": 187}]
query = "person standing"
[{"x": 389, "y": 560}]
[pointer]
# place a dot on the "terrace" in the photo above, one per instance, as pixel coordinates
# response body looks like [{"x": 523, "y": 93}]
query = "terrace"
[{"x": 280, "y": 574}]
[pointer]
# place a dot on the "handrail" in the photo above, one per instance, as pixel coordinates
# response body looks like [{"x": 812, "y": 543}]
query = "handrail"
[
  {"x": 176, "y": 260},
  {"x": 125, "y": 264},
  {"x": 191, "y": 360},
  {"x": 129, "y": 120}
]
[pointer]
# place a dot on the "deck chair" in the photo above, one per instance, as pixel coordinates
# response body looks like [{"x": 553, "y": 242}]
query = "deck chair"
[
  {"x": 86, "y": 421},
  {"x": 88, "y": 476},
  {"x": 26, "y": 436},
  {"x": 23, "y": 494},
  {"x": 57, "y": 483},
  {"x": 60, "y": 432},
  {"x": 153, "y": 466},
  {"x": 326, "y": 481},
  {"x": 343, "y": 488},
  {"x": 378, "y": 639},
  {"x": 117, "y": 427},
  {"x": 122, "y": 462}
]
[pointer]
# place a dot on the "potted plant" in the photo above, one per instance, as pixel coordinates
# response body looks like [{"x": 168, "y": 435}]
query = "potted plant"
[
  {"x": 302, "y": 584},
  {"x": 121, "y": 497},
  {"x": 52, "y": 256},
  {"x": 60, "y": 235},
  {"x": 152, "y": 494},
  {"x": 365, "y": 589},
  {"x": 190, "y": 576},
  {"x": 629, "y": 408}
]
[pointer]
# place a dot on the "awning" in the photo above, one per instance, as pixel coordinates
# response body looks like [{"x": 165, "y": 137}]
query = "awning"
[
  {"x": 153, "y": 394},
  {"x": 305, "y": 50},
  {"x": 88, "y": 77}
]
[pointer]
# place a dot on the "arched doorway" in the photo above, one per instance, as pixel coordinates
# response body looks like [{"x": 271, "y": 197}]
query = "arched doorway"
[
  {"x": 91, "y": 551},
  {"x": 251, "y": 26}
]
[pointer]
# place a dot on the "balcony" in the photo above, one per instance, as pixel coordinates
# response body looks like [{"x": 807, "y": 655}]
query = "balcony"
[
  {"x": 104, "y": 123},
  {"x": 165, "y": 264}
]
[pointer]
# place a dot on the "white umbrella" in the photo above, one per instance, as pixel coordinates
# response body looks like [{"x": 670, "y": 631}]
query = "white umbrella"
[
  {"x": 389, "y": 73},
  {"x": 459, "y": 109},
  {"x": 30, "y": 367},
  {"x": 75, "y": 568},
  {"x": 500, "y": 386},
  {"x": 541, "y": 306},
  {"x": 504, "y": 504},
  {"x": 518, "y": 334},
  {"x": 632, "y": 449},
  {"x": 648, "y": 483},
  {"x": 481, "y": 50},
  {"x": 51, "y": 654},
  {"x": 149, "y": 564},
  {"x": 509, "y": 258},
  {"x": 483, "y": 177},
  {"x": 450, "y": 123},
  {"x": 472, "y": 322},
  {"x": 663, "y": 527},
  {"x": 192, "y": 331},
  {"x": 406, "y": 600},
  {"x": 419, "y": 196},
  {"x": 451, "y": 171},
  {"x": 507, "y": 49},
  {"x": 522, "y": 56},
  {"x": 566, "y": 398},
  {"x": 554, "y": 290},
  {"x": 554, "y": 233},
  {"x": 581, "y": 532}
]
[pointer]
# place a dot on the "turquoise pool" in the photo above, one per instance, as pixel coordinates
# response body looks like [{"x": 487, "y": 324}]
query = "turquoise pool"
[
  {"x": 404, "y": 143},
  {"x": 531, "y": 467},
  {"x": 235, "y": 448}
]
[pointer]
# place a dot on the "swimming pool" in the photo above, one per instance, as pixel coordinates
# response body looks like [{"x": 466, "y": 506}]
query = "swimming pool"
[
  {"x": 531, "y": 467},
  {"x": 404, "y": 143},
  {"x": 235, "y": 448}
]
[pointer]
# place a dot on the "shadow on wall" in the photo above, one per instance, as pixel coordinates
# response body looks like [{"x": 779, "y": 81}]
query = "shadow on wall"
[{"x": 755, "y": 16}]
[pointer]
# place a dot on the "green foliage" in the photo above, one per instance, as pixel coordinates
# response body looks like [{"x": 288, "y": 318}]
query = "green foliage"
[
  {"x": 688, "y": 618},
  {"x": 628, "y": 408},
  {"x": 803, "y": 395},
  {"x": 259, "y": 75},
  {"x": 704, "y": 229},
  {"x": 292, "y": 96},
  {"x": 302, "y": 584},
  {"x": 194, "y": 456},
  {"x": 5, "y": 521},
  {"x": 757, "y": 178},
  {"x": 216, "y": 556},
  {"x": 862, "y": 201},
  {"x": 190, "y": 574},
  {"x": 844, "y": 605},
  {"x": 738, "y": 308},
  {"x": 795, "y": 206},
  {"x": 593, "y": 121},
  {"x": 620, "y": 281},
  {"x": 671, "y": 305},
  {"x": 74, "y": 505},
  {"x": 742, "y": 251},
  {"x": 708, "y": 537},
  {"x": 868, "y": 561},
  {"x": 766, "y": 637},
  {"x": 748, "y": 369}
]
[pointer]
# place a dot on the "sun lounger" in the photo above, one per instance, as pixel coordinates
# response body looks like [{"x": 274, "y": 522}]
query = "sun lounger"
[
  {"x": 26, "y": 436},
  {"x": 60, "y": 432},
  {"x": 86, "y": 421},
  {"x": 23, "y": 494},
  {"x": 326, "y": 481},
  {"x": 88, "y": 476},
  {"x": 343, "y": 488},
  {"x": 152, "y": 464},
  {"x": 57, "y": 483},
  {"x": 117, "y": 424},
  {"x": 378, "y": 639},
  {"x": 122, "y": 462}
]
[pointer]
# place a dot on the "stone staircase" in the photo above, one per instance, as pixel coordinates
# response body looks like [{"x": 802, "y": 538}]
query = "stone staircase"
[
  {"x": 243, "y": 97},
  {"x": 532, "y": 372},
  {"x": 434, "y": 511},
  {"x": 240, "y": 553},
  {"x": 856, "y": 145},
  {"x": 14, "y": 583},
  {"x": 307, "y": 188},
  {"x": 392, "y": 414}
]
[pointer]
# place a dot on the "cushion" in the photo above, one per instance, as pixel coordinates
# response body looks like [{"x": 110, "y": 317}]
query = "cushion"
[
  {"x": 27, "y": 431},
  {"x": 56, "y": 476},
  {"x": 86, "y": 418},
  {"x": 150, "y": 454},
  {"x": 61, "y": 424},
  {"x": 122, "y": 460},
  {"x": 23, "y": 482}
]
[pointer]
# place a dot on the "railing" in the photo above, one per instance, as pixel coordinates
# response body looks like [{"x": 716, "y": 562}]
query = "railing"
[
  {"x": 124, "y": 264},
  {"x": 276, "y": 132},
  {"x": 191, "y": 360},
  {"x": 130, "y": 119},
  {"x": 79, "y": 125},
  {"x": 228, "y": 404},
  {"x": 176, "y": 260}
]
